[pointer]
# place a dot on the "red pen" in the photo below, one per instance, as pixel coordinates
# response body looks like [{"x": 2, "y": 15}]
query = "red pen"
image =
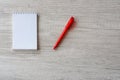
[{"x": 67, "y": 26}]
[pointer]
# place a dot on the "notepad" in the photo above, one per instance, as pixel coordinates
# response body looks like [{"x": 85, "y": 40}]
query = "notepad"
[{"x": 24, "y": 31}]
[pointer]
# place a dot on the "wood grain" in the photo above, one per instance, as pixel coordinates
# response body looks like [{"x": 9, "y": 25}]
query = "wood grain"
[{"x": 90, "y": 51}]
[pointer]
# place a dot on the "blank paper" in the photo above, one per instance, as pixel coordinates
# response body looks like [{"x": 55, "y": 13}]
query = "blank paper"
[{"x": 24, "y": 31}]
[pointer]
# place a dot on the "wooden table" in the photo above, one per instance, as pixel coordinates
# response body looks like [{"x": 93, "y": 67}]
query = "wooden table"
[{"x": 90, "y": 51}]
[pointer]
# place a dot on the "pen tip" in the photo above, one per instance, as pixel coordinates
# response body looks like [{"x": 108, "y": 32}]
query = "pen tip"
[{"x": 54, "y": 48}]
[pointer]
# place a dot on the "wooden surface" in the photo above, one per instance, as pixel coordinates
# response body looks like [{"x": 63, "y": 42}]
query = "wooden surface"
[{"x": 90, "y": 51}]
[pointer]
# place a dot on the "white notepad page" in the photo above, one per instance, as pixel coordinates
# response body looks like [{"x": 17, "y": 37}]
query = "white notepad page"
[{"x": 24, "y": 31}]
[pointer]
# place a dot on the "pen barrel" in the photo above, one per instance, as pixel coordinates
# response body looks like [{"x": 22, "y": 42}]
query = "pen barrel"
[{"x": 67, "y": 26}]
